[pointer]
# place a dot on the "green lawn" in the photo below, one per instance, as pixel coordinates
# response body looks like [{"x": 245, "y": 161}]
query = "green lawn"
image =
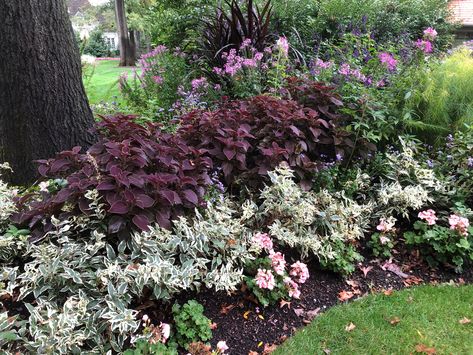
[
  {"x": 422, "y": 317},
  {"x": 103, "y": 84}
]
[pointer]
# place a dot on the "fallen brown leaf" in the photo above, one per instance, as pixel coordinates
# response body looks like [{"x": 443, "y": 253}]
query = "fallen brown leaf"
[
  {"x": 327, "y": 351},
  {"x": 283, "y": 303},
  {"x": 310, "y": 315},
  {"x": 394, "y": 320},
  {"x": 299, "y": 311},
  {"x": 464, "y": 320},
  {"x": 388, "y": 292},
  {"x": 246, "y": 314},
  {"x": 412, "y": 280},
  {"x": 345, "y": 295},
  {"x": 213, "y": 326},
  {"x": 226, "y": 308},
  {"x": 268, "y": 349},
  {"x": 424, "y": 349},
  {"x": 461, "y": 281},
  {"x": 350, "y": 327},
  {"x": 395, "y": 269},
  {"x": 253, "y": 353},
  {"x": 366, "y": 270},
  {"x": 352, "y": 283}
]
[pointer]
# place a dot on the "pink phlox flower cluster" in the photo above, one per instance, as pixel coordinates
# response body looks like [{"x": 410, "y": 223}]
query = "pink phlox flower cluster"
[
  {"x": 345, "y": 69},
  {"x": 430, "y": 34},
  {"x": 319, "y": 63},
  {"x": 245, "y": 43},
  {"x": 388, "y": 60},
  {"x": 264, "y": 241},
  {"x": 265, "y": 279},
  {"x": 459, "y": 224},
  {"x": 293, "y": 288},
  {"x": 386, "y": 224},
  {"x": 283, "y": 46},
  {"x": 429, "y": 216},
  {"x": 235, "y": 62},
  {"x": 423, "y": 45},
  {"x": 300, "y": 272},
  {"x": 199, "y": 83},
  {"x": 277, "y": 262}
]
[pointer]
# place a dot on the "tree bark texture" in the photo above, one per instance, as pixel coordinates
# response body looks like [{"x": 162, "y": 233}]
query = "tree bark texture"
[
  {"x": 43, "y": 105},
  {"x": 127, "y": 56}
]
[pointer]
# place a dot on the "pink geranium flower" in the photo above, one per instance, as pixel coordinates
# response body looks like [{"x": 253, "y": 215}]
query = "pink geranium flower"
[
  {"x": 222, "y": 347},
  {"x": 265, "y": 279},
  {"x": 277, "y": 262},
  {"x": 263, "y": 240},
  {"x": 428, "y": 216},
  {"x": 292, "y": 287},
  {"x": 386, "y": 225},
  {"x": 459, "y": 224},
  {"x": 387, "y": 60},
  {"x": 300, "y": 272}
]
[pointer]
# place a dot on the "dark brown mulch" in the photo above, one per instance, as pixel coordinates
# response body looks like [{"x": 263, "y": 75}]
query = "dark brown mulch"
[{"x": 246, "y": 327}]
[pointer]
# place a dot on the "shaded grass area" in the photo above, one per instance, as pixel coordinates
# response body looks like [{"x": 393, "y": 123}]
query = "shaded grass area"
[
  {"x": 101, "y": 84},
  {"x": 396, "y": 324}
]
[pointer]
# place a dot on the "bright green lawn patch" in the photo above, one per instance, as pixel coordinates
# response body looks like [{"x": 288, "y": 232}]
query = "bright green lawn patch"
[
  {"x": 428, "y": 315},
  {"x": 103, "y": 84}
]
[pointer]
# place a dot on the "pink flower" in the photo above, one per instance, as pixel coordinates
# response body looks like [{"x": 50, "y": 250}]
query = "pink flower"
[
  {"x": 246, "y": 43},
  {"x": 277, "y": 262},
  {"x": 425, "y": 46},
  {"x": 263, "y": 240},
  {"x": 384, "y": 240},
  {"x": 344, "y": 69},
  {"x": 283, "y": 45},
  {"x": 300, "y": 272},
  {"x": 198, "y": 83},
  {"x": 222, "y": 346},
  {"x": 265, "y": 279},
  {"x": 259, "y": 56},
  {"x": 292, "y": 287},
  {"x": 165, "y": 331},
  {"x": 429, "y": 216},
  {"x": 388, "y": 60},
  {"x": 386, "y": 225},
  {"x": 158, "y": 79},
  {"x": 430, "y": 34},
  {"x": 459, "y": 224},
  {"x": 248, "y": 62}
]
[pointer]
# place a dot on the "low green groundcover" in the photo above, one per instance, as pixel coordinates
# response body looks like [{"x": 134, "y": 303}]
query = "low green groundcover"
[{"x": 420, "y": 320}]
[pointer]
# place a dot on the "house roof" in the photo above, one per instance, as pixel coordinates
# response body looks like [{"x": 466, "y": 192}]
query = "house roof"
[
  {"x": 74, "y": 6},
  {"x": 462, "y": 11}
]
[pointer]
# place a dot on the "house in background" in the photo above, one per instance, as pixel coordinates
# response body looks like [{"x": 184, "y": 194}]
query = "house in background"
[
  {"x": 84, "y": 24},
  {"x": 463, "y": 13}
]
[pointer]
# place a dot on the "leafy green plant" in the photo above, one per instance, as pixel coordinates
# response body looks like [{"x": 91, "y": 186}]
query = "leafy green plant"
[
  {"x": 442, "y": 245},
  {"x": 191, "y": 323},
  {"x": 143, "y": 347}
]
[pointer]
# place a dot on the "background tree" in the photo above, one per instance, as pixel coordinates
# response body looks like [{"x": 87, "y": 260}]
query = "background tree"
[
  {"x": 43, "y": 105},
  {"x": 127, "y": 47}
]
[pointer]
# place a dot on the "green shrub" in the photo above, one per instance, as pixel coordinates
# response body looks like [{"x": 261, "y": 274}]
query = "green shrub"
[
  {"x": 191, "y": 324},
  {"x": 95, "y": 45}
]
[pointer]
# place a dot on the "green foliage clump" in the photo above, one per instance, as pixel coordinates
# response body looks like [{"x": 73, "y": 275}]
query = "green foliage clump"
[
  {"x": 446, "y": 97},
  {"x": 191, "y": 323},
  {"x": 95, "y": 45},
  {"x": 143, "y": 347}
]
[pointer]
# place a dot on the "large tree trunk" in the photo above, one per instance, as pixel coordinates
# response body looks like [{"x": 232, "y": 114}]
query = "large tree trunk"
[
  {"x": 127, "y": 54},
  {"x": 43, "y": 105}
]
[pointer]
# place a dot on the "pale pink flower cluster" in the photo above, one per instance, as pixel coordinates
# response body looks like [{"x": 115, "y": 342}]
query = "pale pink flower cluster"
[
  {"x": 235, "y": 62},
  {"x": 386, "y": 225},
  {"x": 300, "y": 272},
  {"x": 263, "y": 241},
  {"x": 222, "y": 347},
  {"x": 277, "y": 262},
  {"x": 430, "y": 34},
  {"x": 428, "y": 216},
  {"x": 265, "y": 279},
  {"x": 283, "y": 45},
  {"x": 459, "y": 224},
  {"x": 158, "y": 79}
]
